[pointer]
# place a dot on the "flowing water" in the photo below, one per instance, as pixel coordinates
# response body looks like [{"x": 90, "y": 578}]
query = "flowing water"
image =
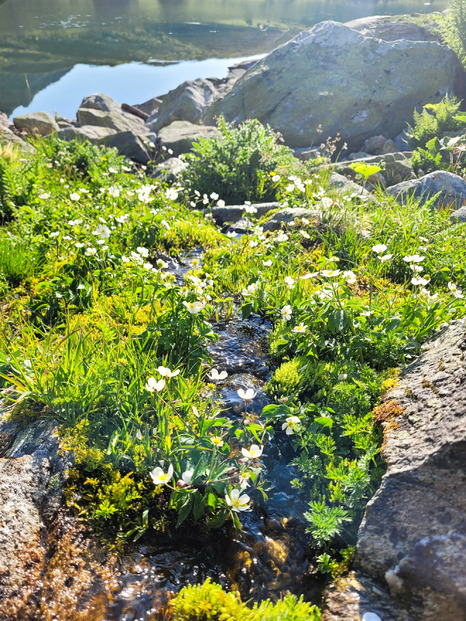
[{"x": 55, "y": 52}]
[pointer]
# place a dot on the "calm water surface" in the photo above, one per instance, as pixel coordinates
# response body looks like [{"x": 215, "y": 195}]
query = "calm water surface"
[{"x": 55, "y": 52}]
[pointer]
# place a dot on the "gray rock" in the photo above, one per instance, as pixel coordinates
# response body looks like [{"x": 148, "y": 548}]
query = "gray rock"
[
  {"x": 187, "y": 102},
  {"x": 169, "y": 170},
  {"x": 459, "y": 215},
  {"x": 452, "y": 189},
  {"x": 40, "y": 123},
  {"x": 103, "y": 111},
  {"x": 286, "y": 217},
  {"x": 334, "y": 77},
  {"x": 31, "y": 490},
  {"x": 378, "y": 145},
  {"x": 346, "y": 186},
  {"x": 179, "y": 136},
  {"x": 234, "y": 213},
  {"x": 412, "y": 539},
  {"x": 141, "y": 148},
  {"x": 94, "y": 134}
]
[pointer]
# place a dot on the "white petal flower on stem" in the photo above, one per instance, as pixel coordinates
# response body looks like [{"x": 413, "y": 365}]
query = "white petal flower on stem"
[
  {"x": 253, "y": 453},
  {"x": 154, "y": 385},
  {"x": 291, "y": 424},
  {"x": 159, "y": 477},
  {"x": 457, "y": 293},
  {"x": 385, "y": 258},
  {"x": 301, "y": 329},
  {"x": 236, "y": 502},
  {"x": 286, "y": 312},
  {"x": 244, "y": 479},
  {"x": 186, "y": 479},
  {"x": 166, "y": 372},
  {"x": 330, "y": 273},
  {"x": 246, "y": 395},
  {"x": 215, "y": 375},
  {"x": 421, "y": 282},
  {"x": 74, "y": 196},
  {"x": 350, "y": 277},
  {"x": 379, "y": 248},
  {"x": 290, "y": 282},
  {"x": 90, "y": 252},
  {"x": 171, "y": 194},
  {"x": 194, "y": 307},
  {"x": 102, "y": 231},
  {"x": 413, "y": 258},
  {"x": 267, "y": 263}
]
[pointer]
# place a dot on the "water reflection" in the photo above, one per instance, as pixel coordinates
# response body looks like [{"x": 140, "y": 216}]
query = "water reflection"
[{"x": 41, "y": 40}]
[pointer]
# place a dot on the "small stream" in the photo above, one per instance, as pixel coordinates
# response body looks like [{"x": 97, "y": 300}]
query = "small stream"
[{"x": 268, "y": 557}]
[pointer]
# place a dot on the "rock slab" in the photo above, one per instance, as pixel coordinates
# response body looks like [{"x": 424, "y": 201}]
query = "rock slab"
[
  {"x": 334, "y": 79},
  {"x": 412, "y": 541}
]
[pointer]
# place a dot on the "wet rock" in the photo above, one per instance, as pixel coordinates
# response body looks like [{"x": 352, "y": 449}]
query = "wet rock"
[
  {"x": 169, "y": 170},
  {"x": 413, "y": 534},
  {"x": 287, "y": 217},
  {"x": 40, "y": 123},
  {"x": 179, "y": 136},
  {"x": 452, "y": 189},
  {"x": 234, "y": 213},
  {"x": 348, "y": 83}
]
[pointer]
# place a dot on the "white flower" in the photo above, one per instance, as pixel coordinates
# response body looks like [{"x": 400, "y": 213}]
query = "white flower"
[
  {"x": 153, "y": 385},
  {"x": 215, "y": 375},
  {"x": 416, "y": 268},
  {"x": 253, "y": 453},
  {"x": 291, "y": 424},
  {"x": 74, "y": 196},
  {"x": 281, "y": 237},
  {"x": 379, "y": 248},
  {"x": 455, "y": 291},
  {"x": 350, "y": 277},
  {"x": 79, "y": 245},
  {"x": 236, "y": 502},
  {"x": 214, "y": 196},
  {"x": 90, "y": 252},
  {"x": 54, "y": 234},
  {"x": 286, "y": 312},
  {"x": 414, "y": 258},
  {"x": 114, "y": 191},
  {"x": 254, "y": 286},
  {"x": 309, "y": 275},
  {"x": 171, "y": 194},
  {"x": 159, "y": 477},
  {"x": 247, "y": 395},
  {"x": 290, "y": 282},
  {"x": 143, "y": 251},
  {"x": 244, "y": 479},
  {"x": 330, "y": 273},
  {"x": 194, "y": 307},
  {"x": 250, "y": 208},
  {"x": 276, "y": 178},
  {"x": 122, "y": 219},
  {"x": 217, "y": 441},
  {"x": 44, "y": 195},
  {"x": 102, "y": 231},
  {"x": 385, "y": 258},
  {"x": 301, "y": 329},
  {"x": 220, "y": 203},
  {"x": 420, "y": 281},
  {"x": 267, "y": 263},
  {"x": 186, "y": 479},
  {"x": 166, "y": 372},
  {"x": 253, "y": 243}
]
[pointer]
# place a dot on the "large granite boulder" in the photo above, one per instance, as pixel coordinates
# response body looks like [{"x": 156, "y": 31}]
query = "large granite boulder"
[
  {"x": 333, "y": 79},
  {"x": 412, "y": 541},
  {"x": 8, "y": 136},
  {"x": 451, "y": 189},
  {"x": 36, "y": 123}
]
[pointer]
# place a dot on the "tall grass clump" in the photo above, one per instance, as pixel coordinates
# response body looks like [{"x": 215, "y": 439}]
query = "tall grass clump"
[{"x": 453, "y": 28}]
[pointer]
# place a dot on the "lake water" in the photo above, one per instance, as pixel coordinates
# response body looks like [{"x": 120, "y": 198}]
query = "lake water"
[{"x": 55, "y": 52}]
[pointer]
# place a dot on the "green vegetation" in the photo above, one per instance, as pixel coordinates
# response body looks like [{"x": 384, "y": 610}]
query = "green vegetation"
[
  {"x": 237, "y": 164},
  {"x": 435, "y": 120},
  {"x": 208, "y": 602},
  {"x": 99, "y": 333},
  {"x": 453, "y": 28}
]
